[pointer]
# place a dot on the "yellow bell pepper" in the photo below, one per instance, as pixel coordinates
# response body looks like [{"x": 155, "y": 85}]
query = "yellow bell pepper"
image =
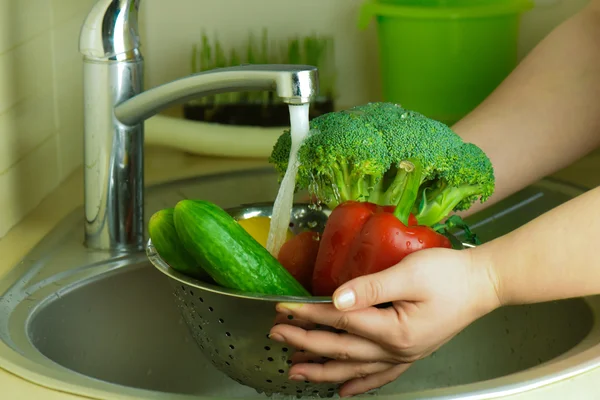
[{"x": 258, "y": 228}]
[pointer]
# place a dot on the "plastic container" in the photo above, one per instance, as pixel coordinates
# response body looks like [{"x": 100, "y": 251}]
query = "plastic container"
[{"x": 443, "y": 57}]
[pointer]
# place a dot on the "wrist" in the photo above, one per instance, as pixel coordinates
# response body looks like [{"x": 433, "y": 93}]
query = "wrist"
[{"x": 486, "y": 284}]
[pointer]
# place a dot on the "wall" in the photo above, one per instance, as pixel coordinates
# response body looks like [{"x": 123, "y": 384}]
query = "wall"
[
  {"x": 167, "y": 50},
  {"x": 40, "y": 101}
]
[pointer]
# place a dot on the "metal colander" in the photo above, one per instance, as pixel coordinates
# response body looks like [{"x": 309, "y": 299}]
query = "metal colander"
[{"x": 231, "y": 327}]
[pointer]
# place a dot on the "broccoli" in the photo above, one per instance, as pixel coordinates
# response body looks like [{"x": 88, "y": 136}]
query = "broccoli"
[{"x": 388, "y": 155}]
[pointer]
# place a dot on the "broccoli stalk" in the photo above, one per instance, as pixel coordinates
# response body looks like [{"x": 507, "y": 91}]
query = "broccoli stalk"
[
  {"x": 404, "y": 189},
  {"x": 437, "y": 201},
  {"x": 345, "y": 182}
]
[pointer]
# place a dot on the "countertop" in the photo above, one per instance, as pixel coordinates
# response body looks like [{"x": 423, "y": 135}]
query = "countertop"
[{"x": 162, "y": 165}]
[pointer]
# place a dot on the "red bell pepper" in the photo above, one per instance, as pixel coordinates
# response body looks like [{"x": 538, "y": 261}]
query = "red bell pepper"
[
  {"x": 363, "y": 238},
  {"x": 383, "y": 242},
  {"x": 336, "y": 241}
]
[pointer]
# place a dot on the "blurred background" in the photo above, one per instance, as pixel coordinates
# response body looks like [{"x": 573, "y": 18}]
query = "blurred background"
[{"x": 440, "y": 57}]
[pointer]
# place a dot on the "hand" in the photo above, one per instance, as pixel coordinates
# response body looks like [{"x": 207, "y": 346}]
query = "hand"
[{"x": 435, "y": 293}]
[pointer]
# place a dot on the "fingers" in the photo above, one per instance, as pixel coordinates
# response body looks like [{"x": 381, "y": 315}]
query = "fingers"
[
  {"x": 303, "y": 357},
  {"x": 338, "y": 346},
  {"x": 364, "y": 384},
  {"x": 285, "y": 319},
  {"x": 336, "y": 371},
  {"x": 371, "y": 323},
  {"x": 392, "y": 284}
]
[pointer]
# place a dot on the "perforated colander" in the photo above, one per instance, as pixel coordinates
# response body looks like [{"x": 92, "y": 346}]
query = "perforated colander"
[{"x": 231, "y": 327}]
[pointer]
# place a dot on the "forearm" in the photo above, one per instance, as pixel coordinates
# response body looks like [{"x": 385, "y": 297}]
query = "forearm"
[
  {"x": 552, "y": 257},
  {"x": 546, "y": 114}
]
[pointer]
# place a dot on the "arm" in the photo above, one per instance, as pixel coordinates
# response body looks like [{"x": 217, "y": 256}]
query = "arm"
[
  {"x": 552, "y": 257},
  {"x": 546, "y": 114}
]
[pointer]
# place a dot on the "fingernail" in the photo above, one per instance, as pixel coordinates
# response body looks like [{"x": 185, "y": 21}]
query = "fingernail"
[
  {"x": 276, "y": 337},
  {"x": 345, "y": 299},
  {"x": 297, "y": 378}
]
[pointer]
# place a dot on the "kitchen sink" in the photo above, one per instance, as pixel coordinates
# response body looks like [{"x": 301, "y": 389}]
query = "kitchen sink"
[{"x": 95, "y": 323}]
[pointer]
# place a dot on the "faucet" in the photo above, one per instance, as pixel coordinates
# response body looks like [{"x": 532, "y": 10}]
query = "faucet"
[{"x": 116, "y": 106}]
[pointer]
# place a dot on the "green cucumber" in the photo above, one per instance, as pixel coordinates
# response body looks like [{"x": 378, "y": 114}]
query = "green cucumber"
[
  {"x": 161, "y": 229},
  {"x": 230, "y": 255}
]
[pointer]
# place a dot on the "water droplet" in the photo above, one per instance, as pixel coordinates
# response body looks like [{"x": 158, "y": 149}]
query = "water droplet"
[
  {"x": 312, "y": 224},
  {"x": 404, "y": 115},
  {"x": 336, "y": 193}
]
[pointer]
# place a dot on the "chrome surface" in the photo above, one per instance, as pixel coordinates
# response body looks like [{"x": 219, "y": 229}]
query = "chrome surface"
[
  {"x": 88, "y": 322},
  {"x": 116, "y": 106},
  {"x": 295, "y": 84},
  {"x": 110, "y": 31}
]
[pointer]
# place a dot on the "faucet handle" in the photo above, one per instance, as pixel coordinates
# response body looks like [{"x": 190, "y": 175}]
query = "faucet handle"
[{"x": 110, "y": 31}]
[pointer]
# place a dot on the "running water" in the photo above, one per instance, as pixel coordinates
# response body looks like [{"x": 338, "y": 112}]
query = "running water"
[{"x": 282, "y": 209}]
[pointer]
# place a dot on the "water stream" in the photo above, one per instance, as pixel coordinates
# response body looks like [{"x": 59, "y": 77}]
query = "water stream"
[{"x": 280, "y": 219}]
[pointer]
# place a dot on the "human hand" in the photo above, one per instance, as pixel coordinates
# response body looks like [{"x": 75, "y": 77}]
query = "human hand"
[{"x": 435, "y": 293}]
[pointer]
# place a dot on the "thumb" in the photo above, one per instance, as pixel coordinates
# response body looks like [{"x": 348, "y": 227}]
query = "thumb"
[{"x": 393, "y": 284}]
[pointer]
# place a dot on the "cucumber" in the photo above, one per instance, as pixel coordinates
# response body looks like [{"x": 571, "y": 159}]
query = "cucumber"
[
  {"x": 230, "y": 255},
  {"x": 161, "y": 229}
]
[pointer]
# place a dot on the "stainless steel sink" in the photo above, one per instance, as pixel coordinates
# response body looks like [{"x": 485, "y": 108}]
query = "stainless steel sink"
[{"x": 97, "y": 323}]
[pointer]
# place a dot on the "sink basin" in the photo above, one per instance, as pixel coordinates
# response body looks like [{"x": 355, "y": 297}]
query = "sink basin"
[{"x": 99, "y": 324}]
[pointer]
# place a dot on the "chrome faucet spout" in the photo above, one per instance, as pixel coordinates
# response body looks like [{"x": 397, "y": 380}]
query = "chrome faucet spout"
[
  {"x": 116, "y": 107},
  {"x": 295, "y": 84}
]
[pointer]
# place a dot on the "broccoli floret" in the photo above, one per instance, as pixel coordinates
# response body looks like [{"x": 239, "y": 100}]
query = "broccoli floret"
[
  {"x": 409, "y": 136},
  {"x": 342, "y": 159},
  {"x": 385, "y": 154},
  {"x": 470, "y": 177},
  {"x": 347, "y": 161}
]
